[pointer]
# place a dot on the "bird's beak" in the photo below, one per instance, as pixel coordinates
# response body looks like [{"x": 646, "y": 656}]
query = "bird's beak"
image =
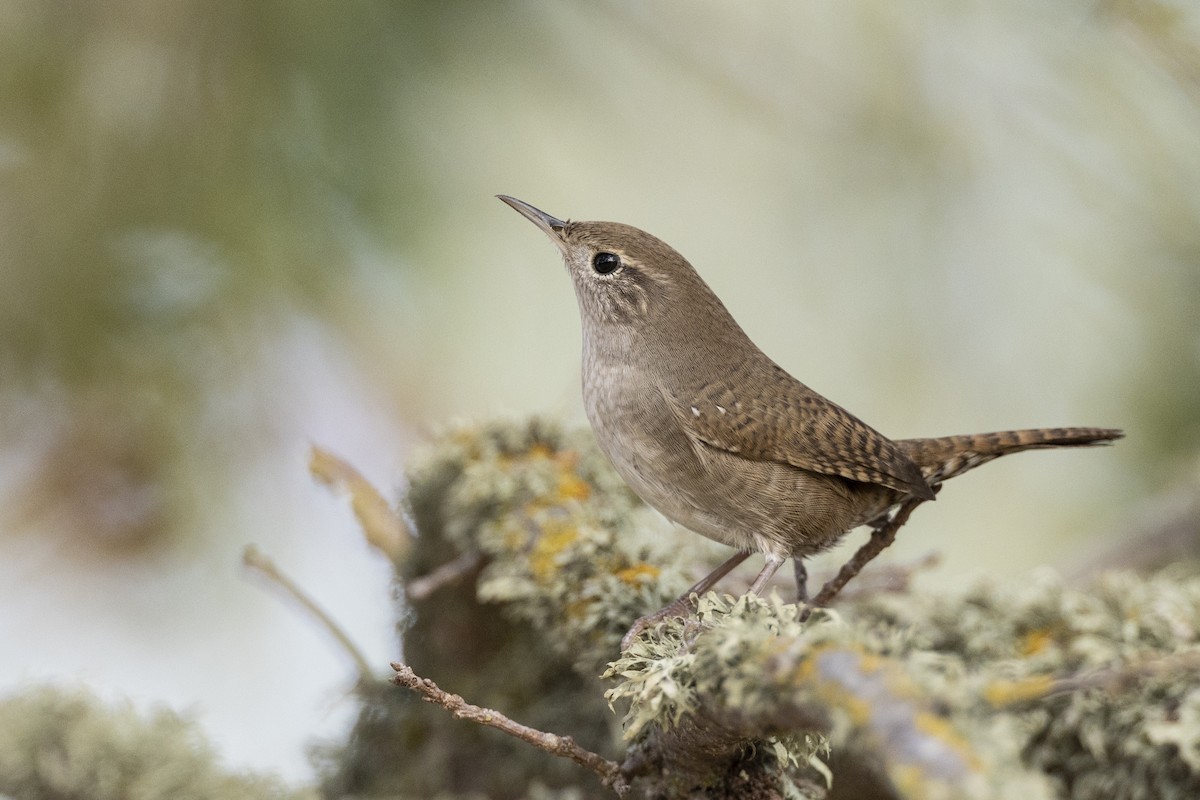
[{"x": 551, "y": 226}]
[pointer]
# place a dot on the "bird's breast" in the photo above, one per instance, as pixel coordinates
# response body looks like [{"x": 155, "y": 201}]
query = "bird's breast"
[
  {"x": 640, "y": 433},
  {"x": 751, "y": 505}
]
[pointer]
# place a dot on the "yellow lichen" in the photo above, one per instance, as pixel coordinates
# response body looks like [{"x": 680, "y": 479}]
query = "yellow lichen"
[
  {"x": 539, "y": 451},
  {"x": 550, "y": 545},
  {"x": 1005, "y": 693},
  {"x": 910, "y": 779},
  {"x": 572, "y": 487},
  {"x": 634, "y": 575},
  {"x": 832, "y": 691},
  {"x": 1035, "y": 642},
  {"x": 857, "y": 709},
  {"x": 578, "y": 609},
  {"x": 940, "y": 728}
]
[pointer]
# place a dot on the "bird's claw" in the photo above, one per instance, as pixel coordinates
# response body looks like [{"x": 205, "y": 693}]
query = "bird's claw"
[{"x": 679, "y": 608}]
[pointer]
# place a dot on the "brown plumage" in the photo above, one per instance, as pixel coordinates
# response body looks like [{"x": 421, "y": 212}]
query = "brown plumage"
[
  {"x": 949, "y": 456},
  {"x": 711, "y": 432}
]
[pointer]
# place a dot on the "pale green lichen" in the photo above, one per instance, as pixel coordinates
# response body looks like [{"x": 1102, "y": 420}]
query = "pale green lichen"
[
  {"x": 67, "y": 745},
  {"x": 754, "y": 660},
  {"x": 1104, "y": 737},
  {"x": 568, "y": 556},
  {"x": 567, "y": 545},
  {"x": 1000, "y": 694},
  {"x": 984, "y": 693}
]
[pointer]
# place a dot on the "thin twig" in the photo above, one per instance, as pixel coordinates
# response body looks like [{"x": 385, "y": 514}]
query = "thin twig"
[
  {"x": 564, "y": 746},
  {"x": 881, "y": 537},
  {"x": 890, "y": 579},
  {"x": 1125, "y": 676},
  {"x": 260, "y": 563},
  {"x": 453, "y": 570},
  {"x": 1036, "y": 688}
]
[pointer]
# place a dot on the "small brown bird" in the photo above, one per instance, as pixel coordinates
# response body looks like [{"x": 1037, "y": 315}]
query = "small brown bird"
[{"x": 719, "y": 438}]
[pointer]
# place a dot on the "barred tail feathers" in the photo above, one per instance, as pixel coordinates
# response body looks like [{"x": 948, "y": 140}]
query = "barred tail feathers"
[{"x": 949, "y": 456}]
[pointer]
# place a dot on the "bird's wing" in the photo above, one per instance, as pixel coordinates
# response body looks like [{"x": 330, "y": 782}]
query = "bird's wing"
[{"x": 780, "y": 419}]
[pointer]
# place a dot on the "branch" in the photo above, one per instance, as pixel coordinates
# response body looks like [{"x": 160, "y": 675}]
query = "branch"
[
  {"x": 1035, "y": 688},
  {"x": 756, "y": 674},
  {"x": 880, "y": 538},
  {"x": 563, "y": 746},
  {"x": 450, "y": 572},
  {"x": 904, "y": 687},
  {"x": 888, "y": 578},
  {"x": 256, "y": 561}
]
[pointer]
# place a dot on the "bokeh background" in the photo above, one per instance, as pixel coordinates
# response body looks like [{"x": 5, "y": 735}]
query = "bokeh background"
[{"x": 231, "y": 231}]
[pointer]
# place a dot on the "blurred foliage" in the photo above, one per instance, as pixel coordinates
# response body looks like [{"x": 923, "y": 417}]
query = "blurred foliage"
[
  {"x": 174, "y": 177},
  {"x": 67, "y": 745}
]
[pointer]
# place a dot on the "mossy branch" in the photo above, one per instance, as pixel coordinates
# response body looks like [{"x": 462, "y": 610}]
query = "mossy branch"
[{"x": 987, "y": 694}]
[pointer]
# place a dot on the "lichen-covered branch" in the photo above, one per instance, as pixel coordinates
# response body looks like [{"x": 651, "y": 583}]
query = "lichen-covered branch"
[
  {"x": 751, "y": 670},
  {"x": 1035, "y": 692},
  {"x": 565, "y": 546}
]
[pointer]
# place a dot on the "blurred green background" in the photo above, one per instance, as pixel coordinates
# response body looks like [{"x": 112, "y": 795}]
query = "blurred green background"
[{"x": 228, "y": 231}]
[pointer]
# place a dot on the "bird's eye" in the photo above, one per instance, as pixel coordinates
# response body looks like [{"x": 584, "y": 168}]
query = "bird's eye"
[{"x": 604, "y": 263}]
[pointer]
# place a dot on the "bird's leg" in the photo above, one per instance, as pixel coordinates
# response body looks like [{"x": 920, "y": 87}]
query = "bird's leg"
[
  {"x": 774, "y": 562},
  {"x": 801, "y": 579},
  {"x": 680, "y": 606},
  {"x": 882, "y": 536}
]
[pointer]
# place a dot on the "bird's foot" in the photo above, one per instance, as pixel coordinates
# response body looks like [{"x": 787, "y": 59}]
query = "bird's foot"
[
  {"x": 801, "y": 580},
  {"x": 678, "y": 608}
]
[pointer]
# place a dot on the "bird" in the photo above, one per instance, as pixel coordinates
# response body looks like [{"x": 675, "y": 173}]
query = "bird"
[{"x": 708, "y": 430}]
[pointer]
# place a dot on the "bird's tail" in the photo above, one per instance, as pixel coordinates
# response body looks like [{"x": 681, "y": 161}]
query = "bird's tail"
[{"x": 948, "y": 456}]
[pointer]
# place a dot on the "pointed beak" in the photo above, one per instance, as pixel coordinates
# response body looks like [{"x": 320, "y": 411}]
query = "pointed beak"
[{"x": 551, "y": 226}]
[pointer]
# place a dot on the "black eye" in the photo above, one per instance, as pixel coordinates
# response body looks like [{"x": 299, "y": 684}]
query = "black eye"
[{"x": 605, "y": 263}]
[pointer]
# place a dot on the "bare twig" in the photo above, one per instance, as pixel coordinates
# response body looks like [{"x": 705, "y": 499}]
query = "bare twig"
[
  {"x": 1039, "y": 687},
  {"x": 260, "y": 563},
  {"x": 563, "y": 746},
  {"x": 881, "y": 537},
  {"x": 889, "y": 579},
  {"x": 1124, "y": 676},
  {"x": 453, "y": 570}
]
